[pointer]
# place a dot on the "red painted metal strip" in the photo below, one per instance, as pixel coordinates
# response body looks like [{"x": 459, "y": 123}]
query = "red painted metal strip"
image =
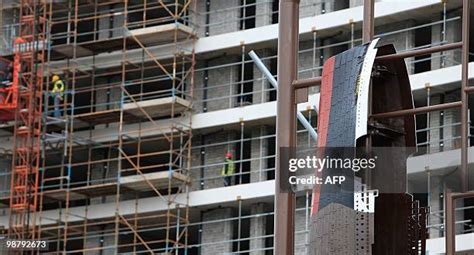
[{"x": 323, "y": 119}]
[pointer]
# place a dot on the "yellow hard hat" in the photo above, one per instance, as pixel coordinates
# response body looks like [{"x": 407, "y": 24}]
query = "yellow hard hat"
[{"x": 55, "y": 78}]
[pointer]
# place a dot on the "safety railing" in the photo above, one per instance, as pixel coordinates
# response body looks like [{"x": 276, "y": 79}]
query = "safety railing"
[
  {"x": 445, "y": 137},
  {"x": 91, "y": 27},
  {"x": 464, "y": 225},
  {"x": 235, "y": 16},
  {"x": 244, "y": 241},
  {"x": 233, "y": 84},
  {"x": 8, "y": 34}
]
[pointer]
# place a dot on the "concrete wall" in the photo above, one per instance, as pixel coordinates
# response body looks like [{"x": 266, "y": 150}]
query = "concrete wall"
[
  {"x": 310, "y": 8},
  {"x": 213, "y": 160},
  {"x": 103, "y": 172},
  {"x": 301, "y": 220},
  {"x": 354, "y": 3},
  {"x": 220, "y": 94},
  {"x": 401, "y": 41},
  {"x": 96, "y": 240},
  {"x": 453, "y": 34},
  {"x": 224, "y": 21},
  {"x": 215, "y": 235},
  {"x": 259, "y": 147},
  {"x": 258, "y": 226},
  {"x": 110, "y": 26},
  {"x": 264, "y": 13},
  {"x": 448, "y": 117}
]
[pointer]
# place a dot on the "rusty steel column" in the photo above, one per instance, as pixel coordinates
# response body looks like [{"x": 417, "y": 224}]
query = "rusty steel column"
[
  {"x": 367, "y": 36},
  {"x": 286, "y": 121},
  {"x": 368, "y": 22},
  {"x": 465, "y": 96},
  {"x": 449, "y": 222}
]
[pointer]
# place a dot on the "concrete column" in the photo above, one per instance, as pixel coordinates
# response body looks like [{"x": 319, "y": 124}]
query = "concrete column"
[
  {"x": 435, "y": 119},
  {"x": 258, "y": 166},
  {"x": 264, "y": 13},
  {"x": 199, "y": 18},
  {"x": 215, "y": 236},
  {"x": 451, "y": 116},
  {"x": 445, "y": 118},
  {"x": 258, "y": 226},
  {"x": 436, "y": 204},
  {"x": 301, "y": 227},
  {"x": 195, "y": 173},
  {"x": 104, "y": 25},
  {"x": 118, "y": 21},
  {"x": 199, "y": 80}
]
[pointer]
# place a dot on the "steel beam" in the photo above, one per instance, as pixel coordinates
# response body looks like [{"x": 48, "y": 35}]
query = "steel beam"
[
  {"x": 418, "y": 110},
  {"x": 306, "y": 83},
  {"x": 450, "y": 220},
  {"x": 368, "y": 22},
  {"x": 421, "y": 52},
  {"x": 367, "y": 36},
  {"x": 286, "y": 121},
  {"x": 261, "y": 66}
]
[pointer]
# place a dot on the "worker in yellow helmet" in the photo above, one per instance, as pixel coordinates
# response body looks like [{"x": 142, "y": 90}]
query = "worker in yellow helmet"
[{"x": 57, "y": 93}]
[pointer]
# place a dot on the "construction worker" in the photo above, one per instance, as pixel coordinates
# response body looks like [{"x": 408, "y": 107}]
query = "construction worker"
[
  {"x": 228, "y": 169},
  {"x": 57, "y": 93}
]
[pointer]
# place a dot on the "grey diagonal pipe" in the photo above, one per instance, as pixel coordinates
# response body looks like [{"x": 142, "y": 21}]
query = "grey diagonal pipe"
[{"x": 273, "y": 82}]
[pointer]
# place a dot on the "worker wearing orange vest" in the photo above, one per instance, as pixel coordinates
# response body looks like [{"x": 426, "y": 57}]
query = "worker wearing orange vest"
[
  {"x": 57, "y": 93},
  {"x": 228, "y": 169}
]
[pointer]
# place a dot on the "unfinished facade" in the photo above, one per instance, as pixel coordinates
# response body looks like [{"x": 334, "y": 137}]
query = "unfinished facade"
[{"x": 157, "y": 92}]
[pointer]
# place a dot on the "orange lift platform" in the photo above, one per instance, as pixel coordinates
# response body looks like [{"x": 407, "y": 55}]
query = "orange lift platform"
[{"x": 9, "y": 89}]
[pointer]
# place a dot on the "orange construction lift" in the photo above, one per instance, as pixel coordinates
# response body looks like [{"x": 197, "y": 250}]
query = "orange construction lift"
[{"x": 22, "y": 101}]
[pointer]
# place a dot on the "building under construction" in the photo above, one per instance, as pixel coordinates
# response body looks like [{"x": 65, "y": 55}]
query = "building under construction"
[{"x": 129, "y": 160}]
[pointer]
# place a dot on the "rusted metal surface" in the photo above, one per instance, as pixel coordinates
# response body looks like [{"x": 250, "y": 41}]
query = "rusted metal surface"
[
  {"x": 286, "y": 121},
  {"x": 421, "y": 52},
  {"x": 450, "y": 220},
  {"x": 465, "y": 96},
  {"x": 368, "y": 22},
  {"x": 417, "y": 110},
  {"x": 306, "y": 83}
]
